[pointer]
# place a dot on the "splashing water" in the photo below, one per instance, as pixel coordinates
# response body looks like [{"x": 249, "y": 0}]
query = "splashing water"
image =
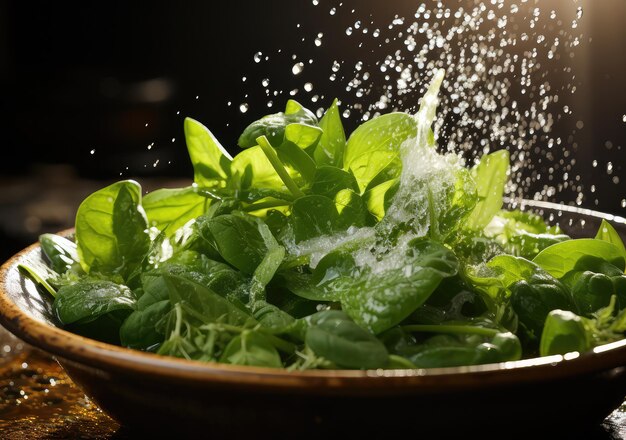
[{"x": 508, "y": 80}]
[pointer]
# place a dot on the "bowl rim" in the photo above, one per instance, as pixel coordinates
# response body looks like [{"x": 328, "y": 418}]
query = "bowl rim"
[{"x": 82, "y": 351}]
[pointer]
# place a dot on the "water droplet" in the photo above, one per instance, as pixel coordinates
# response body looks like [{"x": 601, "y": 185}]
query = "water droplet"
[
  {"x": 293, "y": 92},
  {"x": 337, "y": 66},
  {"x": 173, "y": 139},
  {"x": 318, "y": 40},
  {"x": 346, "y": 113},
  {"x": 297, "y": 68},
  {"x": 333, "y": 11},
  {"x": 243, "y": 107},
  {"x": 579, "y": 12},
  {"x": 243, "y": 79},
  {"x": 92, "y": 151},
  {"x": 265, "y": 82},
  {"x": 270, "y": 103},
  {"x": 623, "y": 203},
  {"x": 580, "y": 125},
  {"x": 316, "y": 2},
  {"x": 308, "y": 87},
  {"x": 349, "y": 30},
  {"x": 258, "y": 57}
]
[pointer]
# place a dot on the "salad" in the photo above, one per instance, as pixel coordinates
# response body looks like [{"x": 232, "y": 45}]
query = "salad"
[{"x": 311, "y": 249}]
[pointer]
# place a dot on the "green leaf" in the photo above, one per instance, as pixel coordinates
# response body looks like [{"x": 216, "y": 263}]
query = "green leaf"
[
  {"x": 209, "y": 158},
  {"x": 139, "y": 330},
  {"x": 265, "y": 271},
  {"x": 111, "y": 229},
  {"x": 563, "y": 332},
  {"x": 352, "y": 210},
  {"x": 86, "y": 300},
  {"x": 253, "y": 349},
  {"x": 606, "y": 232},
  {"x": 273, "y": 126},
  {"x": 252, "y": 169},
  {"x": 292, "y": 154},
  {"x": 169, "y": 209},
  {"x": 379, "y": 198},
  {"x": 379, "y": 300},
  {"x": 242, "y": 240},
  {"x": 314, "y": 216},
  {"x": 375, "y": 144},
  {"x": 490, "y": 175},
  {"x": 560, "y": 258},
  {"x": 329, "y": 180},
  {"x": 302, "y": 135},
  {"x": 334, "y": 336},
  {"x": 61, "y": 252},
  {"x": 203, "y": 305},
  {"x": 329, "y": 150}
]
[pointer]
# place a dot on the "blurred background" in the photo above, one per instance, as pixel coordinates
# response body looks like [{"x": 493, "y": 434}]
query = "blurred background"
[{"x": 92, "y": 92}]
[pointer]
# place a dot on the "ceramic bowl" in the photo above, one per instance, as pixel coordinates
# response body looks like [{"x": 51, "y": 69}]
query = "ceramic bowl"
[{"x": 150, "y": 392}]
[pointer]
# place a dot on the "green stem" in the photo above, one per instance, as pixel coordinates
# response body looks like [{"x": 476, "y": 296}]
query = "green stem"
[
  {"x": 454, "y": 329},
  {"x": 278, "y": 166},
  {"x": 281, "y": 344},
  {"x": 265, "y": 205}
]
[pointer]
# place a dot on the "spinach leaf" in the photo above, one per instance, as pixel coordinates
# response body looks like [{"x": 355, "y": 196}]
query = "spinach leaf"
[
  {"x": 329, "y": 180},
  {"x": 203, "y": 306},
  {"x": 112, "y": 230},
  {"x": 61, "y": 252},
  {"x": 251, "y": 348},
  {"x": 564, "y": 332},
  {"x": 210, "y": 160},
  {"x": 534, "y": 298},
  {"x": 273, "y": 126},
  {"x": 169, "y": 209},
  {"x": 88, "y": 299},
  {"x": 242, "y": 240},
  {"x": 352, "y": 210},
  {"x": 313, "y": 216},
  {"x": 139, "y": 330},
  {"x": 459, "y": 343},
  {"x": 376, "y": 143},
  {"x": 334, "y": 336},
  {"x": 560, "y": 258},
  {"x": 490, "y": 175},
  {"x": 606, "y": 232},
  {"x": 378, "y": 199},
  {"x": 329, "y": 150},
  {"x": 252, "y": 169},
  {"x": 379, "y": 300}
]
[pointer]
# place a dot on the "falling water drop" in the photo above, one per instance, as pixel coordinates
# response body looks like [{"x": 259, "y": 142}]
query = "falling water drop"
[
  {"x": 243, "y": 107},
  {"x": 297, "y": 68}
]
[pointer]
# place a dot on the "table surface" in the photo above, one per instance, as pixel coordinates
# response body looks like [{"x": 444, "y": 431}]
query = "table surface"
[{"x": 39, "y": 401}]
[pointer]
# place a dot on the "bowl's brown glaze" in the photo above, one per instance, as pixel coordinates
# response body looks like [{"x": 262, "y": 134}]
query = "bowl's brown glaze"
[{"x": 147, "y": 391}]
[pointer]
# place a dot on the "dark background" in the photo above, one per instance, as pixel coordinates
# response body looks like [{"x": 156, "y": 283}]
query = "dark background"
[{"x": 83, "y": 76}]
